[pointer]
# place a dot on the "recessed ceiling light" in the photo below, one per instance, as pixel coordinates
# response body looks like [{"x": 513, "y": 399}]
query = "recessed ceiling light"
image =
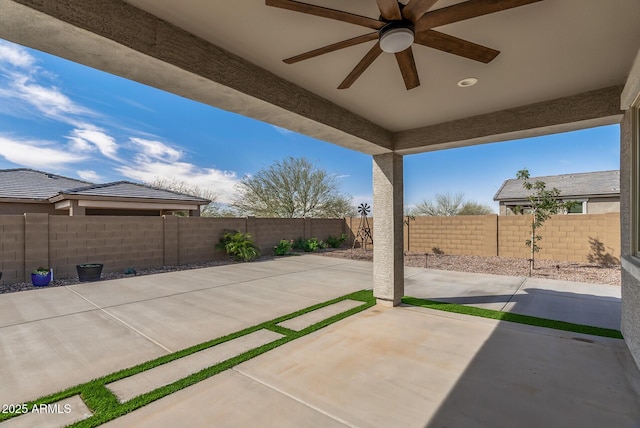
[{"x": 469, "y": 81}]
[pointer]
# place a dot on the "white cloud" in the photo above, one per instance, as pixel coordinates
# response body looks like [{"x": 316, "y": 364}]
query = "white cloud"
[
  {"x": 37, "y": 154},
  {"x": 89, "y": 175},
  {"x": 136, "y": 104},
  {"x": 48, "y": 101},
  {"x": 283, "y": 131},
  {"x": 157, "y": 150},
  {"x": 23, "y": 84},
  {"x": 145, "y": 169},
  {"x": 90, "y": 138},
  {"x": 26, "y": 90},
  {"x": 15, "y": 55}
]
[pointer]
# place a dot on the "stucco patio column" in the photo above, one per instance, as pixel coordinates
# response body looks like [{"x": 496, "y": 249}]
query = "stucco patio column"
[
  {"x": 75, "y": 209},
  {"x": 388, "y": 267}
]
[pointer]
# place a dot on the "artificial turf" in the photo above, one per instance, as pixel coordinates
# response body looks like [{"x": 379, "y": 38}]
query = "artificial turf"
[
  {"x": 511, "y": 317},
  {"x": 105, "y": 405}
]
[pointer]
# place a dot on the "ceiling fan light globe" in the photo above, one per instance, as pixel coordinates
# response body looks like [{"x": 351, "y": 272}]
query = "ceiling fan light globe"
[{"x": 396, "y": 40}]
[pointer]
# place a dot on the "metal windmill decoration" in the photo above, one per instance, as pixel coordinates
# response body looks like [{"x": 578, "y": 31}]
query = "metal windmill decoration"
[{"x": 364, "y": 231}]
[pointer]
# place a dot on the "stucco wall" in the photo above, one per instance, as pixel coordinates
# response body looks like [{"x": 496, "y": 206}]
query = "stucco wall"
[
  {"x": 630, "y": 264},
  {"x": 602, "y": 205},
  {"x": 11, "y": 208}
]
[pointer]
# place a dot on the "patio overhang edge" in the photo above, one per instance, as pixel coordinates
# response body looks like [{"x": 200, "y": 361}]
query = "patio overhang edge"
[
  {"x": 138, "y": 46},
  {"x": 587, "y": 110}
]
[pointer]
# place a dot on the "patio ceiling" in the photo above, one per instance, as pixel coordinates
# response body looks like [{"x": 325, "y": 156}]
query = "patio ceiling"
[{"x": 562, "y": 66}]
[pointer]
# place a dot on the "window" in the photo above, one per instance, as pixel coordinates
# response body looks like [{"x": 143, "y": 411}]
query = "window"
[{"x": 579, "y": 208}]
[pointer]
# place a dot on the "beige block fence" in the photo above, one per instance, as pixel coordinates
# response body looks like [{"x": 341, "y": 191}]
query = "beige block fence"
[
  {"x": 61, "y": 242},
  {"x": 592, "y": 238}
]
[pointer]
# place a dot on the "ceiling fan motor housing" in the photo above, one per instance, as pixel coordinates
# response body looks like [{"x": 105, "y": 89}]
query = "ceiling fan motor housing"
[{"x": 396, "y": 36}]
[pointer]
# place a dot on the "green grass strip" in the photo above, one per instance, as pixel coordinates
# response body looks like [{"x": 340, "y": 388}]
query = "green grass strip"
[
  {"x": 511, "y": 317},
  {"x": 105, "y": 405}
]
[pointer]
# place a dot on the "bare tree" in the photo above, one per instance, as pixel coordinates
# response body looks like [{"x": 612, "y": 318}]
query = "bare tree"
[
  {"x": 290, "y": 188},
  {"x": 213, "y": 209},
  {"x": 474, "y": 208},
  {"x": 447, "y": 204},
  {"x": 442, "y": 205}
]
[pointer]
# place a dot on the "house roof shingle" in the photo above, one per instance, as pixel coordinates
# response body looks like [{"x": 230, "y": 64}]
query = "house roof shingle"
[
  {"x": 29, "y": 184},
  {"x": 24, "y": 183},
  {"x": 604, "y": 183},
  {"x": 126, "y": 189}
]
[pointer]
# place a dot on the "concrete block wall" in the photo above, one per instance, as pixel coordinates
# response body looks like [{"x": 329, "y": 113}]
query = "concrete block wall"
[
  {"x": 12, "y": 263},
  {"x": 198, "y": 237},
  {"x": 267, "y": 232},
  {"x": 322, "y": 228},
  {"x": 591, "y": 238},
  {"x": 32, "y": 240},
  {"x": 117, "y": 242},
  {"x": 513, "y": 231},
  {"x": 471, "y": 235}
]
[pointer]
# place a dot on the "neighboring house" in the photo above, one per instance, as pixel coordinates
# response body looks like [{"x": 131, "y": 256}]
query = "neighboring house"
[
  {"x": 28, "y": 191},
  {"x": 597, "y": 192}
]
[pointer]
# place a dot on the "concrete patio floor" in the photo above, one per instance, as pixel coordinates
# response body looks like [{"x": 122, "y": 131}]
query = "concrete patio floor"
[{"x": 383, "y": 367}]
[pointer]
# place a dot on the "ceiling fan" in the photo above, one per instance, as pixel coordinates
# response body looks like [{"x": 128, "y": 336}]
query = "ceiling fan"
[{"x": 399, "y": 27}]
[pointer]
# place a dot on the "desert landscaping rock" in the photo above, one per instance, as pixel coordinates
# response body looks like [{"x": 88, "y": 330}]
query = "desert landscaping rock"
[
  {"x": 510, "y": 266},
  {"x": 550, "y": 269}
]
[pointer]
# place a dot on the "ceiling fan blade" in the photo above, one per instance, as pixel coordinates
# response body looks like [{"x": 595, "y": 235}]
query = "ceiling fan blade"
[
  {"x": 416, "y": 8},
  {"x": 326, "y": 13},
  {"x": 454, "y": 45},
  {"x": 466, "y": 10},
  {"x": 330, "y": 48},
  {"x": 408, "y": 68},
  {"x": 389, "y": 10},
  {"x": 365, "y": 62}
]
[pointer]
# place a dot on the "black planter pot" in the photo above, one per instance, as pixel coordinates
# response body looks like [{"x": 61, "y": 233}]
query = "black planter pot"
[{"x": 89, "y": 272}]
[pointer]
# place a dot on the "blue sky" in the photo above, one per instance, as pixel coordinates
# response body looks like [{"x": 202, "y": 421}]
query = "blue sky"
[{"x": 65, "y": 118}]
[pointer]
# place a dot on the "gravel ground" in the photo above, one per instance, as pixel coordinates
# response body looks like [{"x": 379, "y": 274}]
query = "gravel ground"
[{"x": 550, "y": 269}]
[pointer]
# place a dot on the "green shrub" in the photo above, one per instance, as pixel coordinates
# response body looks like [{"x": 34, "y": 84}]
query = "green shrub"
[
  {"x": 336, "y": 242},
  {"x": 283, "y": 248},
  {"x": 299, "y": 244},
  {"x": 313, "y": 244},
  {"x": 308, "y": 245},
  {"x": 239, "y": 245}
]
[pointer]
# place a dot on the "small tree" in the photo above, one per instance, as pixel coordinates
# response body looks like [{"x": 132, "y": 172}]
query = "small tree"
[{"x": 542, "y": 203}]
